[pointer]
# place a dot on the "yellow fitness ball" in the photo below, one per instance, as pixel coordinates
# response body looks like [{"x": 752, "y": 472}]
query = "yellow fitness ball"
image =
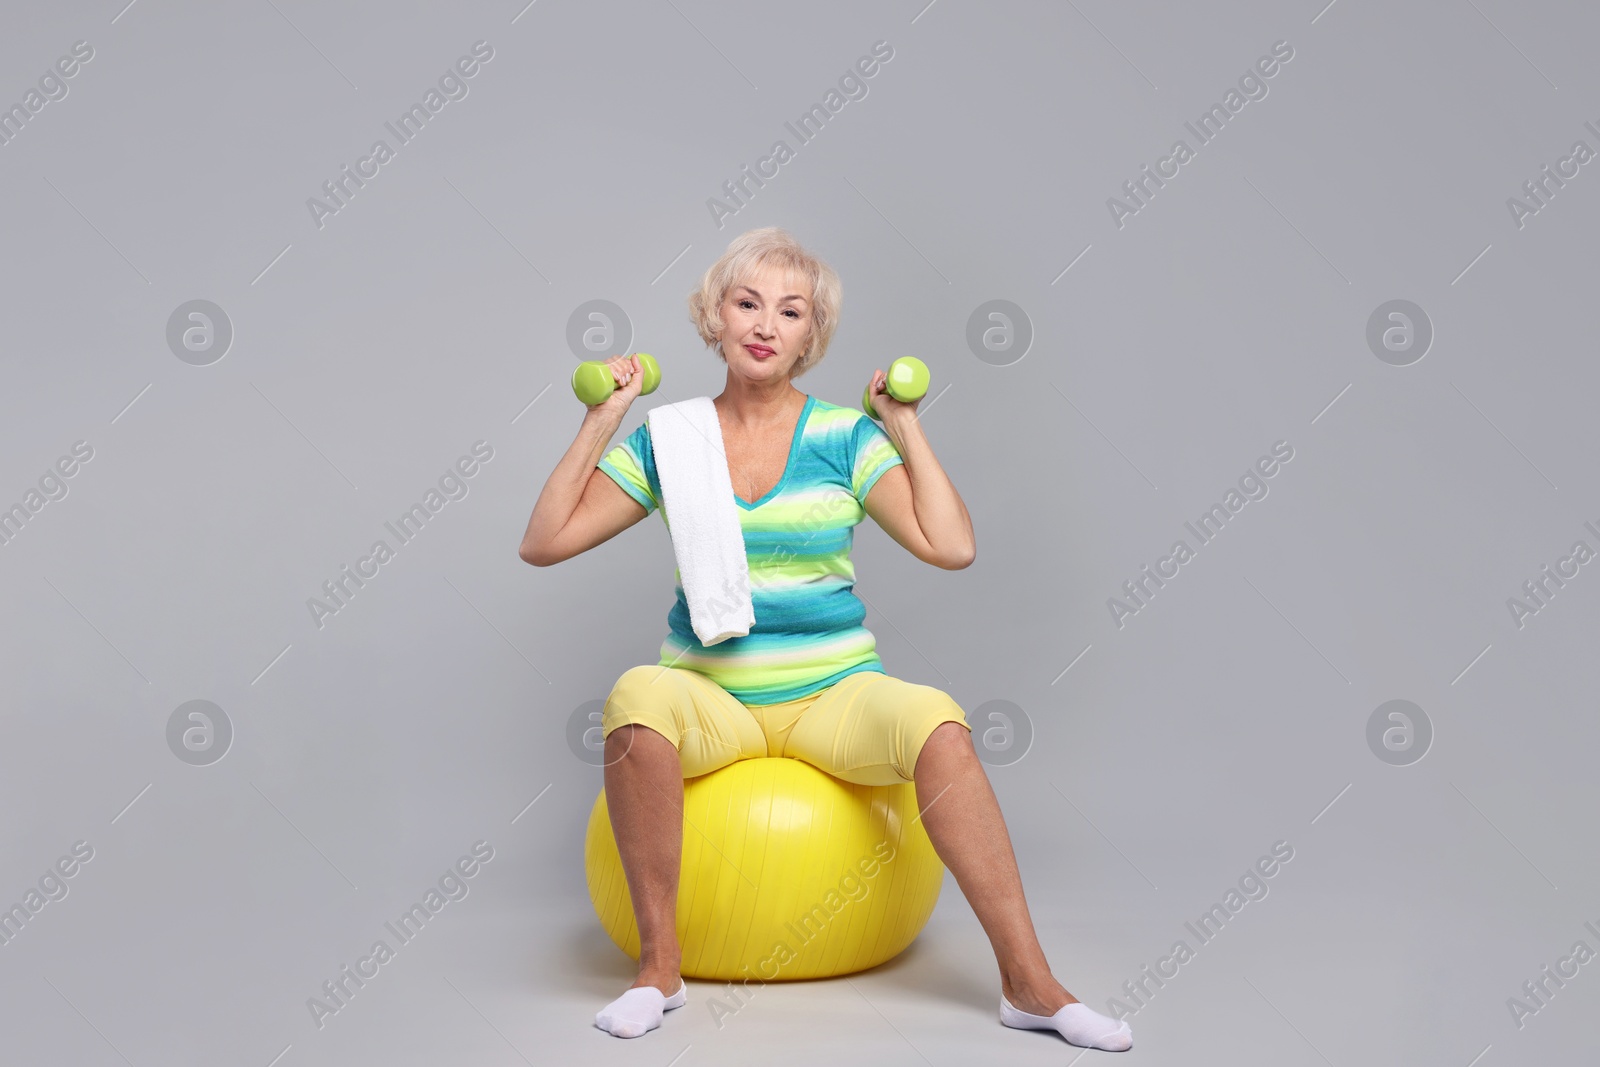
[{"x": 788, "y": 872}]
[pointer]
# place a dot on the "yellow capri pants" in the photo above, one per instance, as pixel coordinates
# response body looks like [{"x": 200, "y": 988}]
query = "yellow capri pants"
[{"x": 867, "y": 728}]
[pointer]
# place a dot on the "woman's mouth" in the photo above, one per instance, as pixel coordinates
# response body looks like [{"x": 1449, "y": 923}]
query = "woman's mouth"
[{"x": 759, "y": 351}]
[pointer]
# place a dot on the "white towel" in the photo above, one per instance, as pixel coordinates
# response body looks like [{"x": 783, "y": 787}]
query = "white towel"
[{"x": 697, "y": 501}]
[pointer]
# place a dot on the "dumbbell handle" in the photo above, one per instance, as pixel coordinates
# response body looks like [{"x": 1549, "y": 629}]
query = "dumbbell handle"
[
  {"x": 906, "y": 381},
  {"x": 593, "y": 382}
]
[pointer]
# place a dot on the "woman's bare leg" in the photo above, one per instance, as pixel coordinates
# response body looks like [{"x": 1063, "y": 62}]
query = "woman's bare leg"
[
  {"x": 644, "y": 793},
  {"x": 963, "y": 820}
]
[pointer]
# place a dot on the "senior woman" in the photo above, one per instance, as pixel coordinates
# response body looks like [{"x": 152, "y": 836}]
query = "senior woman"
[{"x": 806, "y": 682}]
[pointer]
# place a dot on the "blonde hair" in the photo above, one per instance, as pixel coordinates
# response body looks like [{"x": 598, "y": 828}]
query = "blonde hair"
[{"x": 747, "y": 253}]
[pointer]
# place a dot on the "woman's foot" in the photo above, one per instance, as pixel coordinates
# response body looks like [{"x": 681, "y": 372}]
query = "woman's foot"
[
  {"x": 1048, "y": 1006},
  {"x": 639, "y": 1009},
  {"x": 1043, "y": 996}
]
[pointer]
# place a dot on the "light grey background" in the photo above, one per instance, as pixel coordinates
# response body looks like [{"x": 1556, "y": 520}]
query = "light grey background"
[{"x": 431, "y": 312}]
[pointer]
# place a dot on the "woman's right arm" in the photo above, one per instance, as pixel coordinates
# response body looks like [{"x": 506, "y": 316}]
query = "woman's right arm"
[{"x": 580, "y": 506}]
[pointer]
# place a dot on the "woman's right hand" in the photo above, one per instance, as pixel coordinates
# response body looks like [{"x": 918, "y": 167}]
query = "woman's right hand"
[{"x": 629, "y": 375}]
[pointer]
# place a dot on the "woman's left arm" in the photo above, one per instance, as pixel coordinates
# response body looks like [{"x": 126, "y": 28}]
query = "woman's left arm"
[{"x": 915, "y": 501}]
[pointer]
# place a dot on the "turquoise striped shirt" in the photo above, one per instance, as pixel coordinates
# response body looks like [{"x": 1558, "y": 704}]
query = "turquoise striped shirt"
[{"x": 808, "y": 630}]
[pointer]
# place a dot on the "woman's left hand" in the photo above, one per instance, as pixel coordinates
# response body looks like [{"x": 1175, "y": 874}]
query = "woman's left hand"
[{"x": 885, "y": 405}]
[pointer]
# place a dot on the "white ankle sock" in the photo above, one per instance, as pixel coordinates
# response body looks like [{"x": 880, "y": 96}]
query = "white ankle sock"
[
  {"x": 638, "y": 1011},
  {"x": 1080, "y": 1024}
]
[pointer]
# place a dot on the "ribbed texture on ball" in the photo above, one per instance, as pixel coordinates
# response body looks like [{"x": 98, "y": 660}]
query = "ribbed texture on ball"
[{"x": 765, "y": 891}]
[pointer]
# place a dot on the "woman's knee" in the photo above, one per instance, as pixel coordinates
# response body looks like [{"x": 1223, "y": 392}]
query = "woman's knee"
[
  {"x": 922, "y": 716},
  {"x": 948, "y": 732},
  {"x": 642, "y": 697},
  {"x": 931, "y": 708},
  {"x": 944, "y": 723},
  {"x": 621, "y": 738}
]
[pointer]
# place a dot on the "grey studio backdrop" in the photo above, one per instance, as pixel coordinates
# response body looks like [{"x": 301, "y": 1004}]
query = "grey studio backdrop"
[{"x": 1341, "y": 346}]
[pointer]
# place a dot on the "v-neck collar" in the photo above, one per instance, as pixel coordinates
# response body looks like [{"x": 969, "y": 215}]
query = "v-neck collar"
[{"x": 788, "y": 467}]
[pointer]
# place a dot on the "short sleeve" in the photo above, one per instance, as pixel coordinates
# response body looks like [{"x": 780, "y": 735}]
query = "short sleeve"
[
  {"x": 872, "y": 453},
  {"x": 631, "y": 464}
]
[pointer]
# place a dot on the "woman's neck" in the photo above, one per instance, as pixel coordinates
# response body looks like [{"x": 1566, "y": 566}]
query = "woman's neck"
[{"x": 757, "y": 407}]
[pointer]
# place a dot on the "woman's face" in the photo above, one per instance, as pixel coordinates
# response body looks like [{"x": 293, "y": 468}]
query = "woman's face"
[{"x": 766, "y": 321}]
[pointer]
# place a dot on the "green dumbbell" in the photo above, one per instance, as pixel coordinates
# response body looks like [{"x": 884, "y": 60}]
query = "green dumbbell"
[
  {"x": 593, "y": 381},
  {"x": 907, "y": 382}
]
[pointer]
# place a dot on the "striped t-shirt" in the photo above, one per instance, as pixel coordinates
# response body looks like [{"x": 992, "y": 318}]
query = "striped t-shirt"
[{"x": 807, "y": 632}]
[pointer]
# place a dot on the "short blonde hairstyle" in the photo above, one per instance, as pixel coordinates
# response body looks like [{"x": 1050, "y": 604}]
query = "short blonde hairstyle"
[{"x": 747, "y": 253}]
